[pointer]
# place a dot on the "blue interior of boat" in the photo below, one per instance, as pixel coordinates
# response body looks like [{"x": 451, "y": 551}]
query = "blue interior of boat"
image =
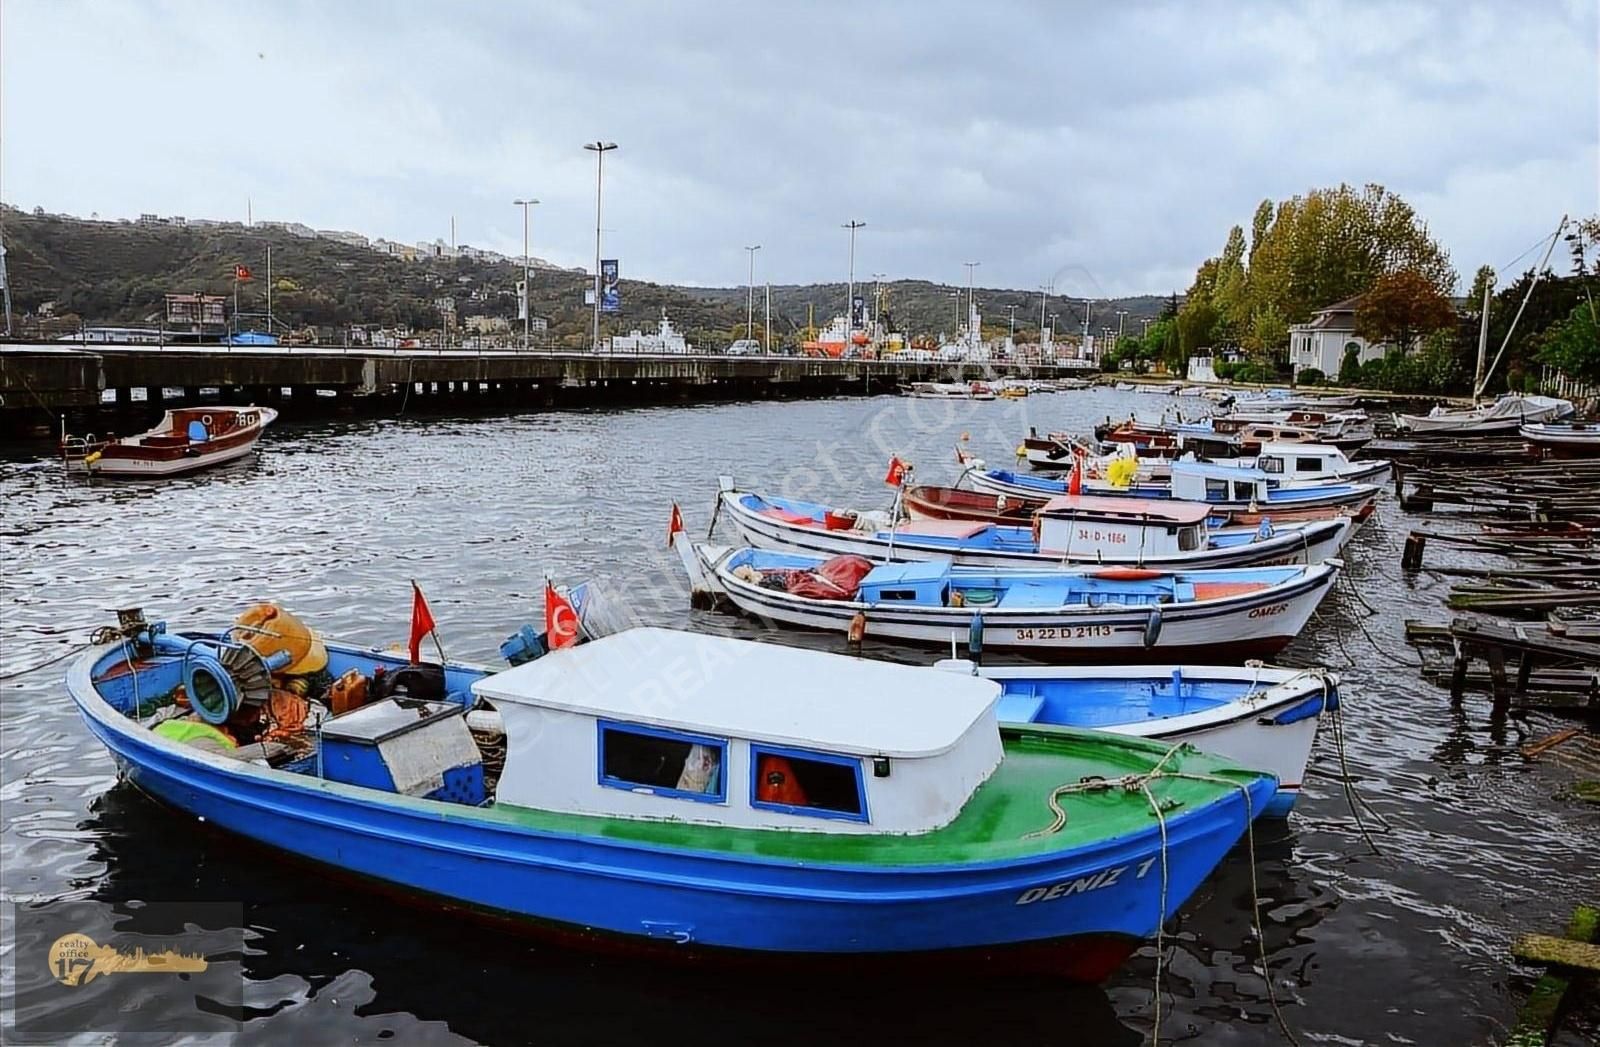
[
  {"x": 936, "y": 583},
  {"x": 1102, "y": 702}
]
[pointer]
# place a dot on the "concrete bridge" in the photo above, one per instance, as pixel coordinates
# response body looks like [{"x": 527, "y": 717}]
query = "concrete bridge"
[{"x": 41, "y": 383}]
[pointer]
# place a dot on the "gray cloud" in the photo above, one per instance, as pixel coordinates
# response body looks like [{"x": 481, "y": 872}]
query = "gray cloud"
[{"x": 1113, "y": 147}]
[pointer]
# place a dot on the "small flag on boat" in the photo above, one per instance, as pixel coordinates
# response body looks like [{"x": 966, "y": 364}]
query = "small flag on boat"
[
  {"x": 560, "y": 620},
  {"x": 1075, "y": 483},
  {"x": 897, "y": 472},
  {"x": 241, "y": 272},
  {"x": 675, "y": 525},
  {"x": 421, "y": 622}
]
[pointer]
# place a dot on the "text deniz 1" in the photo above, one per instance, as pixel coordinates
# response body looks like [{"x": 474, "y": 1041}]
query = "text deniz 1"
[{"x": 1082, "y": 885}]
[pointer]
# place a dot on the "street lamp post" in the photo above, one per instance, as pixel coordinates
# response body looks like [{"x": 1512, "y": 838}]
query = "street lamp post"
[
  {"x": 970, "y": 304},
  {"x": 1121, "y": 315},
  {"x": 750, "y": 292},
  {"x": 850, "y": 291},
  {"x": 527, "y": 284},
  {"x": 600, "y": 149},
  {"x": 877, "y": 301},
  {"x": 1147, "y": 321},
  {"x": 1011, "y": 335}
]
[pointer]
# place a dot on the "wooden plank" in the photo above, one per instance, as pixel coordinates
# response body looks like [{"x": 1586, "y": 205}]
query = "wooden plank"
[{"x": 1536, "y": 1019}]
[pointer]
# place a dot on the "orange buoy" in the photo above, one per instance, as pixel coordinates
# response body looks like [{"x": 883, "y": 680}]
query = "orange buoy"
[{"x": 269, "y": 629}]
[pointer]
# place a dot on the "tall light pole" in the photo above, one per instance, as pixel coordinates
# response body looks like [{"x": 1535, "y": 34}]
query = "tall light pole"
[
  {"x": 1011, "y": 336},
  {"x": 527, "y": 284},
  {"x": 1044, "y": 293},
  {"x": 750, "y": 292},
  {"x": 970, "y": 304},
  {"x": 1147, "y": 321},
  {"x": 850, "y": 292},
  {"x": 1121, "y": 315},
  {"x": 600, "y": 149},
  {"x": 877, "y": 300}
]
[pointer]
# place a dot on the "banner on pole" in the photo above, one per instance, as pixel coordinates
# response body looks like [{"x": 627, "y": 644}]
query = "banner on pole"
[
  {"x": 610, "y": 293},
  {"x": 522, "y": 300},
  {"x": 858, "y": 312}
]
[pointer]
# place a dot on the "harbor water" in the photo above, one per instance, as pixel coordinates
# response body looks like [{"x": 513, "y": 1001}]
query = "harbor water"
[{"x": 1407, "y": 943}]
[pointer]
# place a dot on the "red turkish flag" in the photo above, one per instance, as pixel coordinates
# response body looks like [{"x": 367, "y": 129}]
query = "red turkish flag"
[
  {"x": 421, "y": 621},
  {"x": 241, "y": 272},
  {"x": 560, "y": 620},
  {"x": 897, "y": 472},
  {"x": 675, "y": 525}
]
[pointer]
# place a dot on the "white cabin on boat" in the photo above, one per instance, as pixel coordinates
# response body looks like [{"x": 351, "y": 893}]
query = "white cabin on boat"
[
  {"x": 1300, "y": 463},
  {"x": 1213, "y": 482},
  {"x": 1087, "y": 525},
  {"x": 666, "y": 725}
]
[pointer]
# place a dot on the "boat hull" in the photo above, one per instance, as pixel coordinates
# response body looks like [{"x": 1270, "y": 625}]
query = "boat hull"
[
  {"x": 1256, "y": 625},
  {"x": 133, "y": 459},
  {"x": 1557, "y": 441},
  {"x": 1075, "y": 913},
  {"x": 1357, "y": 503}
]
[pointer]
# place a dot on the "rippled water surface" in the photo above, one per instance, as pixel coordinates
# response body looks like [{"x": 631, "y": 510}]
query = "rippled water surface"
[{"x": 333, "y": 519}]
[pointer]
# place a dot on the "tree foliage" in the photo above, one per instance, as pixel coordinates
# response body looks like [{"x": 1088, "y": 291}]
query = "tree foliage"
[
  {"x": 1305, "y": 253},
  {"x": 1399, "y": 307}
]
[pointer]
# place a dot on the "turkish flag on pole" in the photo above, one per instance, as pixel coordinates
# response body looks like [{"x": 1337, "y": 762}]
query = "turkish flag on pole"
[
  {"x": 897, "y": 472},
  {"x": 676, "y": 525},
  {"x": 241, "y": 272},
  {"x": 421, "y": 622},
  {"x": 560, "y": 620},
  {"x": 1075, "y": 482}
]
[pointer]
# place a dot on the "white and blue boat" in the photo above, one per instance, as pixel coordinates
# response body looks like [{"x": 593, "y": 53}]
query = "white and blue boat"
[
  {"x": 1246, "y": 494},
  {"x": 1254, "y": 716},
  {"x": 697, "y": 798},
  {"x": 1069, "y": 530},
  {"x": 1086, "y": 615}
]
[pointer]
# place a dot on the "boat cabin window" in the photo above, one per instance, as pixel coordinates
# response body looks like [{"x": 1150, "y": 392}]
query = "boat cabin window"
[
  {"x": 1270, "y": 465},
  {"x": 667, "y": 763},
  {"x": 1188, "y": 539},
  {"x": 1308, "y": 465},
  {"x": 797, "y": 781},
  {"x": 1243, "y": 492},
  {"x": 1216, "y": 490}
]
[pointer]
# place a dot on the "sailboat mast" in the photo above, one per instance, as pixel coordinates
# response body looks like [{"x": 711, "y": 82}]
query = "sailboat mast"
[{"x": 1483, "y": 341}]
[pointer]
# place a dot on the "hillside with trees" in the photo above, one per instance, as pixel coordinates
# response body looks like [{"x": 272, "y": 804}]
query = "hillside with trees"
[{"x": 117, "y": 273}]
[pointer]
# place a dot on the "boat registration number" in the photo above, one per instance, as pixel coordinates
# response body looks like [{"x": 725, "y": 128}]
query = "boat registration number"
[{"x": 1065, "y": 632}]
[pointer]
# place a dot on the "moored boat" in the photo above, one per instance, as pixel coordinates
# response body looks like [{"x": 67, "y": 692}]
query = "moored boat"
[
  {"x": 185, "y": 441},
  {"x": 1256, "y": 716},
  {"x": 1563, "y": 439},
  {"x": 693, "y": 816},
  {"x": 1508, "y": 414},
  {"x": 1086, "y": 615},
  {"x": 1070, "y": 529}
]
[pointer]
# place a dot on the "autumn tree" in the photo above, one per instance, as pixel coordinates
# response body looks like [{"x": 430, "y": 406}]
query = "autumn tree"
[{"x": 1400, "y": 307}]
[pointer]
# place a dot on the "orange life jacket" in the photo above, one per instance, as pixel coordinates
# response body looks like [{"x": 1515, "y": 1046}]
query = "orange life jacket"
[{"x": 778, "y": 784}]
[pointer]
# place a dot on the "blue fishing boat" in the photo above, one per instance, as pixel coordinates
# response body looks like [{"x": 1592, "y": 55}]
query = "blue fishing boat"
[
  {"x": 1068, "y": 530},
  {"x": 1246, "y": 495},
  {"x": 1093, "y": 615},
  {"x": 694, "y": 797},
  {"x": 1253, "y": 715}
]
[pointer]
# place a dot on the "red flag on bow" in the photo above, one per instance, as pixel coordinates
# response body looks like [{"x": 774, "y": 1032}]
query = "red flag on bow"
[
  {"x": 241, "y": 272},
  {"x": 897, "y": 472},
  {"x": 1075, "y": 481},
  {"x": 675, "y": 525},
  {"x": 560, "y": 620},
  {"x": 421, "y": 622}
]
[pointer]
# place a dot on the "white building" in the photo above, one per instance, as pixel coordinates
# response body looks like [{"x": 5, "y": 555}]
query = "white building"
[{"x": 1323, "y": 340}]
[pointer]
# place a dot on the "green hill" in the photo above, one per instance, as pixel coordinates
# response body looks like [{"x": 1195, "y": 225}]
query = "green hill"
[{"x": 116, "y": 273}]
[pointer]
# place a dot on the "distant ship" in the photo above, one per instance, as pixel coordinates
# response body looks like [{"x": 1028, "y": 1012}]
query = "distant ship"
[{"x": 667, "y": 339}]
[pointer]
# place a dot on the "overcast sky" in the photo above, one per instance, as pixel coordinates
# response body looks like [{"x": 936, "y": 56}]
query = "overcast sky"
[{"x": 1105, "y": 146}]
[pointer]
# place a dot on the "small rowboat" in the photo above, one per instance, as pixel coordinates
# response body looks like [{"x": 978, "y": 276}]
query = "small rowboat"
[
  {"x": 699, "y": 798},
  {"x": 1256, "y": 716},
  {"x": 186, "y": 441},
  {"x": 1071, "y": 529},
  {"x": 927, "y": 502},
  {"x": 1080, "y": 615},
  {"x": 1563, "y": 440}
]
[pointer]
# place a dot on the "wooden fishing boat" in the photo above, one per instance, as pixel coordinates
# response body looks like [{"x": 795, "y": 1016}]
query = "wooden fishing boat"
[
  {"x": 1070, "y": 529},
  {"x": 185, "y": 441},
  {"x": 1086, "y": 615},
  {"x": 1255, "y": 716},
  {"x": 752, "y": 808},
  {"x": 1246, "y": 495},
  {"x": 1563, "y": 440},
  {"x": 927, "y": 502},
  {"x": 1303, "y": 465}
]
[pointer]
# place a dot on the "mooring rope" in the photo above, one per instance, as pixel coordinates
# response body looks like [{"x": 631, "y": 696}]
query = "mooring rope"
[{"x": 1141, "y": 783}]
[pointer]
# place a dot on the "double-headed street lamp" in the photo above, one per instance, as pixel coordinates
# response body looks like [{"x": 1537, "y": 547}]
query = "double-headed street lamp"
[{"x": 527, "y": 284}]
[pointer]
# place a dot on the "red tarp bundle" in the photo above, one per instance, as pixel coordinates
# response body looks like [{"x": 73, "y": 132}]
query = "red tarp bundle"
[{"x": 837, "y": 579}]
